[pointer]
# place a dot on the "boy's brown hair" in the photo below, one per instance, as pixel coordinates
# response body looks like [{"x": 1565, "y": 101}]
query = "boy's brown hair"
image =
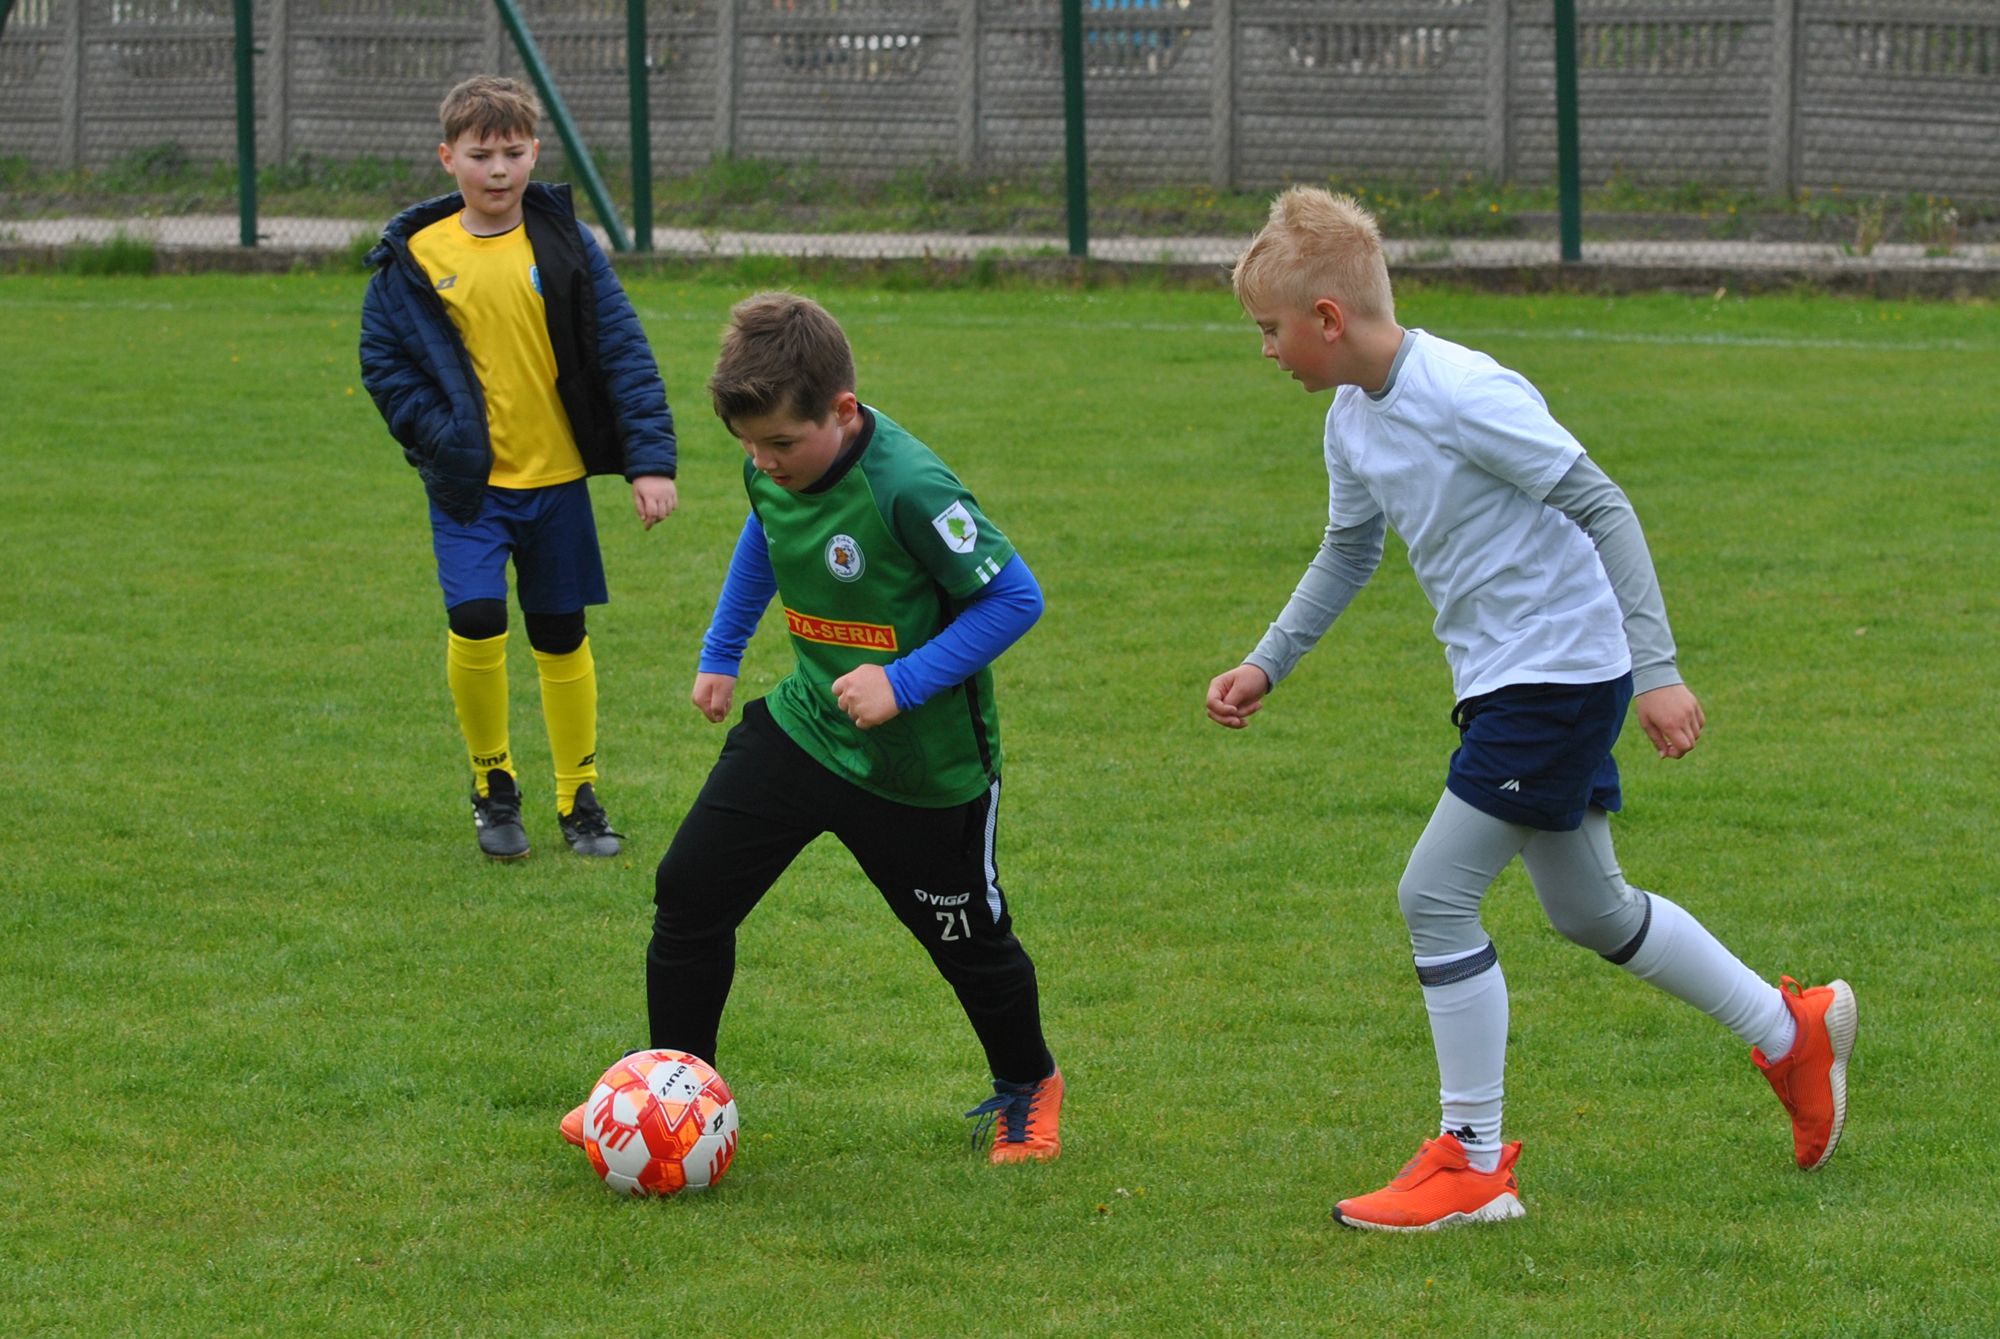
[
  {"x": 780, "y": 353},
  {"x": 1317, "y": 245},
  {"x": 489, "y": 105}
]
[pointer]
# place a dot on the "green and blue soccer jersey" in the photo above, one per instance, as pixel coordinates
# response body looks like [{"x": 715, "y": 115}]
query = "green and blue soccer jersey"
[{"x": 871, "y": 564}]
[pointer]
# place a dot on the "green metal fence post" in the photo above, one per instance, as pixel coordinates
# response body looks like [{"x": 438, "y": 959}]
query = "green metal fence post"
[
  {"x": 246, "y": 128},
  {"x": 579, "y": 156},
  {"x": 636, "y": 66},
  {"x": 1568, "y": 169},
  {"x": 1072, "y": 57}
]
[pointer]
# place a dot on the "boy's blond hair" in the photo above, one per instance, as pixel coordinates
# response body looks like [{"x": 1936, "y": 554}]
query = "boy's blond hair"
[
  {"x": 1317, "y": 245},
  {"x": 781, "y": 353},
  {"x": 489, "y": 105}
]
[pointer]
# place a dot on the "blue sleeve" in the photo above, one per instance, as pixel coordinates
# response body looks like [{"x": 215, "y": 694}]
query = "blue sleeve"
[
  {"x": 415, "y": 369},
  {"x": 638, "y": 395},
  {"x": 416, "y": 408},
  {"x": 745, "y": 592},
  {"x": 1004, "y": 608}
]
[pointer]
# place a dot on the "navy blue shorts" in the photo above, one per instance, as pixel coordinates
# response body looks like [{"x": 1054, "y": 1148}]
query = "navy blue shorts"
[
  {"x": 1540, "y": 753},
  {"x": 550, "y": 533}
]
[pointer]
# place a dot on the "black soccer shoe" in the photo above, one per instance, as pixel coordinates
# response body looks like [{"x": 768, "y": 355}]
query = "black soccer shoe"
[
  {"x": 496, "y": 816},
  {"x": 586, "y": 828}
]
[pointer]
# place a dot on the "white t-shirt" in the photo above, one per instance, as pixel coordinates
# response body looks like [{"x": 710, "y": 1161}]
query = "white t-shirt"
[{"x": 1458, "y": 457}]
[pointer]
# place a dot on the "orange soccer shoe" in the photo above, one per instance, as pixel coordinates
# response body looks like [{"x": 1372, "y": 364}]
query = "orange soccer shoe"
[
  {"x": 1438, "y": 1188},
  {"x": 1024, "y": 1119},
  {"x": 1812, "y": 1078},
  {"x": 572, "y": 1126}
]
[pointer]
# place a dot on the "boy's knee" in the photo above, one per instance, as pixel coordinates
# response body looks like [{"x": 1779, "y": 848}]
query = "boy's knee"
[
  {"x": 686, "y": 908},
  {"x": 1424, "y": 901},
  {"x": 1413, "y": 900},
  {"x": 663, "y": 920},
  {"x": 665, "y": 886},
  {"x": 1633, "y": 929},
  {"x": 554, "y": 634},
  {"x": 1439, "y": 921},
  {"x": 671, "y": 923},
  {"x": 1603, "y": 929},
  {"x": 478, "y": 620}
]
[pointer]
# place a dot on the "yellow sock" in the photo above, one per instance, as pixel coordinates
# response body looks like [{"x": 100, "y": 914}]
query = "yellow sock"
[
  {"x": 569, "y": 707},
  {"x": 477, "y": 673}
]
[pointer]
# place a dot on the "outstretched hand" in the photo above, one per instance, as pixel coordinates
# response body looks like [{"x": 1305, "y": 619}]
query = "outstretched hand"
[
  {"x": 1671, "y": 718},
  {"x": 1237, "y": 695}
]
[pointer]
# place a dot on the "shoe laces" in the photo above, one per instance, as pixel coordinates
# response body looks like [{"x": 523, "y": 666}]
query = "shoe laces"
[
  {"x": 1004, "y": 1116},
  {"x": 587, "y": 818},
  {"x": 499, "y": 807}
]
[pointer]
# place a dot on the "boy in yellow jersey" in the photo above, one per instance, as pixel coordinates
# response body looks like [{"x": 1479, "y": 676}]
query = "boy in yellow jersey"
[{"x": 509, "y": 364}]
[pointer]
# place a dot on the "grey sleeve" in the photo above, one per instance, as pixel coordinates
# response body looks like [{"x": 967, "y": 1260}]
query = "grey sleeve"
[
  {"x": 1599, "y": 507},
  {"x": 1347, "y": 557}
]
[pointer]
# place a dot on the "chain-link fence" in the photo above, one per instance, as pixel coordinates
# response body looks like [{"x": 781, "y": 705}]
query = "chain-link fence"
[{"x": 1731, "y": 133}]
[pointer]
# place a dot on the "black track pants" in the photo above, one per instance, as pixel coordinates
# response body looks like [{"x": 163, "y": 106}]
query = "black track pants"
[{"x": 765, "y": 799}]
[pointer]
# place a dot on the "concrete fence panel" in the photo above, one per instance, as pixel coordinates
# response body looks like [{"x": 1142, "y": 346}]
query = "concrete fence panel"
[{"x": 1895, "y": 96}]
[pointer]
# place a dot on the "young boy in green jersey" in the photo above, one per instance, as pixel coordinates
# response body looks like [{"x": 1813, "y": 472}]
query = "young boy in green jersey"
[
  {"x": 898, "y": 594},
  {"x": 509, "y": 364}
]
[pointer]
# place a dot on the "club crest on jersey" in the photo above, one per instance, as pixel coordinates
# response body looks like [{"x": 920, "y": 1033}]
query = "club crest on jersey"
[
  {"x": 843, "y": 557},
  {"x": 535, "y": 278},
  {"x": 957, "y": 528}
]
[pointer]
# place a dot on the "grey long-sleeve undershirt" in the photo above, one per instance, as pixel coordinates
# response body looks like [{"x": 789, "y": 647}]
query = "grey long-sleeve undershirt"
[{"x": 1348, "y": 556}]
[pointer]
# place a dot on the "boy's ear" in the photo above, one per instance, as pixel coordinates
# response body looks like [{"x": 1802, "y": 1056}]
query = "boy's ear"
[
  {"x": 444, "y": 156},
  {"x": 1332, "y": 320},
  {"x": 846, "y": 405}
]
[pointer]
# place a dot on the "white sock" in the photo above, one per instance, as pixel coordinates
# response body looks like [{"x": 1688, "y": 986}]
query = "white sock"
[
  {"x": 1682, "y": 958},
  {"x": 1469, "y": 1029},
  {"x": 1782, "y": 1041}
]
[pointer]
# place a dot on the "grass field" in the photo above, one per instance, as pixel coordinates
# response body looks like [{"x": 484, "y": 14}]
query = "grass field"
[{"x": 282, "y": 1056}]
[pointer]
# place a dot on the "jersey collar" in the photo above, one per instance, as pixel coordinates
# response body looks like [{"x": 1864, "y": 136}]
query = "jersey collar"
[{"x": 831, "y": 479}]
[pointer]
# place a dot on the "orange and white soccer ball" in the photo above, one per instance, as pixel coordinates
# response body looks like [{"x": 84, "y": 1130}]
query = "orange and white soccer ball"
[{"x": 660, "y": 1122}]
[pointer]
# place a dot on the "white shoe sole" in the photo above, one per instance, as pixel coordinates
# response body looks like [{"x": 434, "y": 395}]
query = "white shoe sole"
[
  {"x": 1843, "y": 1019},
  {"x": 1497, "y": 1210}
]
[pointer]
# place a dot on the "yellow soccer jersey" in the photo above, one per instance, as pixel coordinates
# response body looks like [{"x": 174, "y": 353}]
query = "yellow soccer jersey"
[{"x": 493, "y": 292}]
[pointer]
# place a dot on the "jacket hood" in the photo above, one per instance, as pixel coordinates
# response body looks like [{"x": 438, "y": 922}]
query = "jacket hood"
[{"x": 540, "y": 196}]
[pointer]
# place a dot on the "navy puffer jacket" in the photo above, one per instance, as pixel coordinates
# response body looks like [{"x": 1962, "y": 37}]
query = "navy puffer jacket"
[{"x": 416, "y": 366}]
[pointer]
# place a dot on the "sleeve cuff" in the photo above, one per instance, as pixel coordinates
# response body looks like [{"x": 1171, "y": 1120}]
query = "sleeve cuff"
[
  {"x": 1655, "y": 676},
  {"x": 1270, "y": 667}
]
